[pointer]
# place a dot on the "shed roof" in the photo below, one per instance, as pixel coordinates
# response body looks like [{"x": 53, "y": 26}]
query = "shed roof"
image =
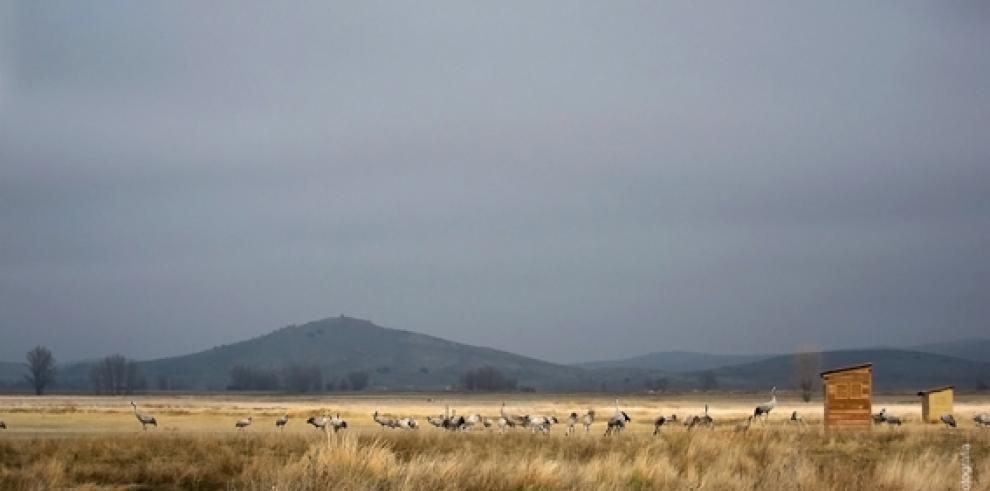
[
  {"x": 843, "y": 369},
  {"x": 936, "y": 389}
]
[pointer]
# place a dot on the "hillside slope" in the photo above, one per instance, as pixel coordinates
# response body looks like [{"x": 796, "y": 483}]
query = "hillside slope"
[
  {"x": 395, "y": 358},
  {"x": 970, "y": 349},
  {"x": 892, "y": 370},
  {"x": 675, "y": 361}
]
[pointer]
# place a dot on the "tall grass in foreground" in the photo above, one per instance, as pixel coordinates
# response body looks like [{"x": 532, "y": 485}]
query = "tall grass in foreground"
[{"x": 765, "y": 459}]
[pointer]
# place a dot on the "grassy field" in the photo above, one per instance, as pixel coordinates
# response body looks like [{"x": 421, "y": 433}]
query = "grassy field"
[{"x": 96, "y": 443}]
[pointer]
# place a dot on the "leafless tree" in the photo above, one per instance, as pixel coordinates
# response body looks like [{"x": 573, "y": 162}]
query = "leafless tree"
[
  {"x": 115, "y": 375},
  {"x": 41, "y": 368},
  {"x": 807, "y": 366}
]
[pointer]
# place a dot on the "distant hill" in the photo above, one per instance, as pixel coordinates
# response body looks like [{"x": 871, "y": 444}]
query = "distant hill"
[
  {"x": 970, "y": 349},
  {"x": 394, "y": 358},
  {"x": 892, "y": 370},
  {"x": 675, "y": 361}
]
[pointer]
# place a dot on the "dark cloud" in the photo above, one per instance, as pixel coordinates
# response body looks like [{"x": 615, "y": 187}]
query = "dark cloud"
[{"x": 572, "y": 181}]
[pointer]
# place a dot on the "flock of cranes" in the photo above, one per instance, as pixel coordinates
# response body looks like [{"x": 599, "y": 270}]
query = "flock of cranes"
[{"x": 540, "y": 423}]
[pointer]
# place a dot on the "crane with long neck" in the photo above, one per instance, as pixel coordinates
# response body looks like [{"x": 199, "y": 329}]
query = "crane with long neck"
[{"x": 144, "y": 419}]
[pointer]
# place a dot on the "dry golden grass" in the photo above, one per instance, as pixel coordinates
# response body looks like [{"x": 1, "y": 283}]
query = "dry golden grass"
[{"x": 98, "y": 445}]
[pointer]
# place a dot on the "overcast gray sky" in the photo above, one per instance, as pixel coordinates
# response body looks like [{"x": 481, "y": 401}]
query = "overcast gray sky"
[{"x": 568, "y": 180}]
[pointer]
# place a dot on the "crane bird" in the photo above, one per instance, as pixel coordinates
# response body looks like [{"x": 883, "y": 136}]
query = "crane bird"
[
  {"x": 617, "y": 422},
  {"x": 948, "y": 420},
  {"x": 435, "y": 421},
  {"x": 471, "y": 421},
  {"x": 281, "y": 421},
  {"x": 588, "y": 419},
  {"x": 880, "y": 417},
  {"x": 765, "y": 408},
  {"x": 3, "y": 426},
  {"x": 407, "y": 424},
  {"x": 144, "y": 419},
  {"x": 384, "y": 421},
  {"x": 572, "y": 420},
  {"x": 703, "y": 420},
  {"x": 513, "y": 419},
  {"x": 662, "y": 420},
  {"x": 335, "y": 423},
  {"x": 540, "y": 423},
  {"x": 982, "y": 419},
  {"x": 455, "y": 422},
  {"x": 796, "y": 419},
  {"x": 243, "y": 423},
  {"x": 891, "y": 420}
]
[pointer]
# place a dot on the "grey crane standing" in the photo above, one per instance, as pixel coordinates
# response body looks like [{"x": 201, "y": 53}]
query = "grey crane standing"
[
  {"x": 144, "y": 419},
  {"x": 617, "y": 422},
  {"x": 243, "y": 423},
  {"x": 384, "y": 421},
  {"x": 281, "y": 422},
  {"x": 765, "y": 408},
  {"x": 571, "y": 421},
  {"x": 588, "y": 419},
  {"x": 948, "y": 420}
]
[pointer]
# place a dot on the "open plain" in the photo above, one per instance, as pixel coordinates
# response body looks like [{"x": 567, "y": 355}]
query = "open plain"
[{"x": 79, "y": 442}]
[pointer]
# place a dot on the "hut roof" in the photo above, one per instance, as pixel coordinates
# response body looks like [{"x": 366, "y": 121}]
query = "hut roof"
[
  {"x": 843, "y": 369},
  {"x": 936, "y": 389}
]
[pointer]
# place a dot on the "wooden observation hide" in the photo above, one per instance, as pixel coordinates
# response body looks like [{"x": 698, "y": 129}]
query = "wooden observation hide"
[
  {"x": 935, "y": 402},
  {"x": 848, "y": 396}
]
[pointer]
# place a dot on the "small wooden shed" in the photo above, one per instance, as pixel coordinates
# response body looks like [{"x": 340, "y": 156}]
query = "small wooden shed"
[
  {"x": 935, "y": 402},
  {"x": 848, "y": 396}
]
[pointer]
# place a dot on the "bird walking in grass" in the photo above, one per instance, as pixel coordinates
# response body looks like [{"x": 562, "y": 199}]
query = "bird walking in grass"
[
  {"x": 243, "y": 423},
  {"x": 513, "y": 420},
  {"x": 703, "y": 420},
  {"x": 383, "y": 421},
  {"x": 337, "y": 423},
  {"x": 281, "y": 422},
  {"x": 890, "y": 420},
  {"x": 3, "y": 426},
  {"x": 406, "y": 424},
  {"x": 324, "y": 423},
  {"x": 572, "y": 420},
  {"x": 617, "y": 422},
  {"x": 982, "y": 419},
  {"x": 796, "y": 419},
  {"x": 144, "y": 419},
  {"x": 588, "y": 419},
  {"x": 662, "y": 420},
  {"x": 765, "y": 408},
  {"x": 948, "y": 420}
]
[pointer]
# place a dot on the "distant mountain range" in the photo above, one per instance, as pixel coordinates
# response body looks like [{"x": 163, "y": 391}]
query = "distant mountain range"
[
  {"x": 402, "y": 360},
  {"x": 969, "y": 349},
  {"x": 892, "y": 370},
  {"x": 675, "y": 361}
]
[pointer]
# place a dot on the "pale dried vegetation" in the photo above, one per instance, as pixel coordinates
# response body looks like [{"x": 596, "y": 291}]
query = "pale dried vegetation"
[{"x": 776, "y": 456}]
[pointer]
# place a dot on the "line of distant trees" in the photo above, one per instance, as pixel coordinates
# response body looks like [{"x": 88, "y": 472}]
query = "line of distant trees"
[
  {"x": 295, "y": 378},
  {"x": 116, "y": 375},
  {"x": 487, "y": 379}
]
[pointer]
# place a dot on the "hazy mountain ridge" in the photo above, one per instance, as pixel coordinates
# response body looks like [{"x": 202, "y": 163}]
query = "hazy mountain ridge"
[
  {"x": 976, "y": 349},
  {"x": 675, "y": 361},
  {"x": 398, "y": 359},
  {"x": 892, "y": 370}
]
